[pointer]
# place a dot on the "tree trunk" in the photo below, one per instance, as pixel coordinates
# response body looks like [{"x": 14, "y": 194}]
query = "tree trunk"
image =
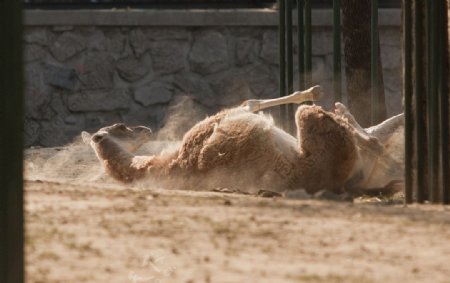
[{"x": 356, "y": 33}]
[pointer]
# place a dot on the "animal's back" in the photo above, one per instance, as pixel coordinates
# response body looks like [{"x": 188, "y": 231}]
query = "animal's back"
[{"x": 247, "y": 146}]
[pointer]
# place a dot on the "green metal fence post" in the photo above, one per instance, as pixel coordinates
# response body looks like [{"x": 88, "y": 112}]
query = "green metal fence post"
[
  {"x": 11, "y": 121},
  {"x": 418, "y": 92},
  {"x": 374, "y": 62},
  {"x": 443, "y": 90},
  {"x": 407, "y": 87},
  {"x": 301, "y": 44},
  {"x": 289, "y": 65},
  {"x": 282, "y": 56},
  {"x": 433, "y": 106},
  {"x": 337, "y": 76},
  {"x": 308, "y": 44}
]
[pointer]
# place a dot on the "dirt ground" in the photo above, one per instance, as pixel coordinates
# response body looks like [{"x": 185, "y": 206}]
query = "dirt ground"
[{"x": 83, "y": 227}]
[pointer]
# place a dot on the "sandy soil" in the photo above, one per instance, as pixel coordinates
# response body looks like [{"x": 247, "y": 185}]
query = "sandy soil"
[{"x": 83, "y": 227}]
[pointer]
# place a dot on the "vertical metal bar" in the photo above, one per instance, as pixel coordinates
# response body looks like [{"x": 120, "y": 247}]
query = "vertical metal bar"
[
  {"x": 443, "y": 101},
  {"x": 11, "y": 145},
  {"x": 374, "y": 61},
  {"x": 308, "y": 44},
  {"x": 407, "y": 87},
  {"x": 301, "y": 44},
  {"x": 337, "y": 76},
  {"x": 290, "y": 65},
  {"x": 282, "y": 56},
  {"x": 418, "y": 91},
  {"x": 432, "y": 102}
]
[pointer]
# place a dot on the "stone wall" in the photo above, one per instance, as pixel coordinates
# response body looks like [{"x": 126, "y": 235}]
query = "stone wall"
[{"x": 82, "y": 76}]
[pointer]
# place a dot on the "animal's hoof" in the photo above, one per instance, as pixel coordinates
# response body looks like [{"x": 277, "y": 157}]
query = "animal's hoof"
[
  {"x": 317, "y": 92},
  {"x": 252, "y": 105}
]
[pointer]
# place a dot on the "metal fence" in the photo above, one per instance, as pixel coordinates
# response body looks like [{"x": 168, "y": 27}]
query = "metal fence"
[{"x": 426, "y": 132}]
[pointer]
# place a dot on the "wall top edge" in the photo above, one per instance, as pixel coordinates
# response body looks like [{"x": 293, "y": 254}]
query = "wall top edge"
[{"x": 188, "y": 18}]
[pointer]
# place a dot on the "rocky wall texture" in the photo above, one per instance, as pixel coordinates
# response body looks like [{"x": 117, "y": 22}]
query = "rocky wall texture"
[{"x": 83, "y": 78}]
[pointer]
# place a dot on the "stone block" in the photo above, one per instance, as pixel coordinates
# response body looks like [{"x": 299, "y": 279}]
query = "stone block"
[
  {"x": 96, "y": 40},
  {"x": 31, "y": 132},
  {"x": 61, "y": 28},
  {"x": 193, "y": 85},
  {"x": 116, "y": 40},
  {"x": 150, "y": 116},
  {"x": 209, "y": 53},
  {"x": 116, "y": 99},
  {"x": 67, "y": 45},
  {"x": 97, "y": 72},
  {"x": 154, "y": 93},
  {"x": 97, "y": 120},
  {"x": 71, "y": 119},
  {"x": 270, "y": 48},
  {"x": 242, "y": 31},
  {"x": 165, "y": 33},
  {"x": 40, "y": 36},
  {"x": 58, "y": 104},
  {"x": 36, "y": 103},
  {"x": 57, "y": 133},
  {"x": 131, "y": 69},
  {"x": 139, "y": 42},
  {"x": 231, "y": 87},
  {"x": 168, "y": 56},
  {"x": 261, "y": 80},
  {"x": 59, "y": 76},
  {"x": 247, "y": 50},
  {"x": 33, "y": 52},
  {"x": 33, "y": 74}
]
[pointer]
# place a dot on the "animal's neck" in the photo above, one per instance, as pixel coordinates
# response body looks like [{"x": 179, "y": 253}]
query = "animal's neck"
[{"x": 118, "y": 162}]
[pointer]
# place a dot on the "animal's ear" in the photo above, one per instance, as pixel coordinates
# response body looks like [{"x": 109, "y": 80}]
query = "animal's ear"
[{"x": 86, "y": 137}]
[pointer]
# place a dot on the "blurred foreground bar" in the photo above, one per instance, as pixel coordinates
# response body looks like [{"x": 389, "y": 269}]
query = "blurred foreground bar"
[{"x": 11, "y": 184}]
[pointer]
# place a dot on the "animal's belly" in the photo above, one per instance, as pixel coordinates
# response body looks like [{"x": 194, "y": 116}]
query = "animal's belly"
[
  {"x": 285, "y": 157},
  {"x": 285, "y": 143}
]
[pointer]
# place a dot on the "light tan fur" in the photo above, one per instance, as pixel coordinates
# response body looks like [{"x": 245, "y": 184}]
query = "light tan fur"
[{"x": 236, "y": 147}]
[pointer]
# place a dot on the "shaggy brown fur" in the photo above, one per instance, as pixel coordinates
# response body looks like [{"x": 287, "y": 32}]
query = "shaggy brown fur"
[
  {"x": 245, "y": 150},
  {"x": 327, "y": 150}
]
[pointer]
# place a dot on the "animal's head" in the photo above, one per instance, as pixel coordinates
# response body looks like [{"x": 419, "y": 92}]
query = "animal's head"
[{"x": 130, "y": 138}]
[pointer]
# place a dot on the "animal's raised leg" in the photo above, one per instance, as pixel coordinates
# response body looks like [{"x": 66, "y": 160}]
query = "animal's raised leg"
[
  {"x": 382, "y": 131},
  {"x": 387, "y": 128},
  {"x": 363, "y": 139},
  {"x": 298, "y": 97},
  {"x": 342, "y": 110},
  {"x": 379, "y": 162}
]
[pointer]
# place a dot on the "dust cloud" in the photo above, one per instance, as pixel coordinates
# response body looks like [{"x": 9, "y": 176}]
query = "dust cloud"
[{"x": 77, "y": 163}]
